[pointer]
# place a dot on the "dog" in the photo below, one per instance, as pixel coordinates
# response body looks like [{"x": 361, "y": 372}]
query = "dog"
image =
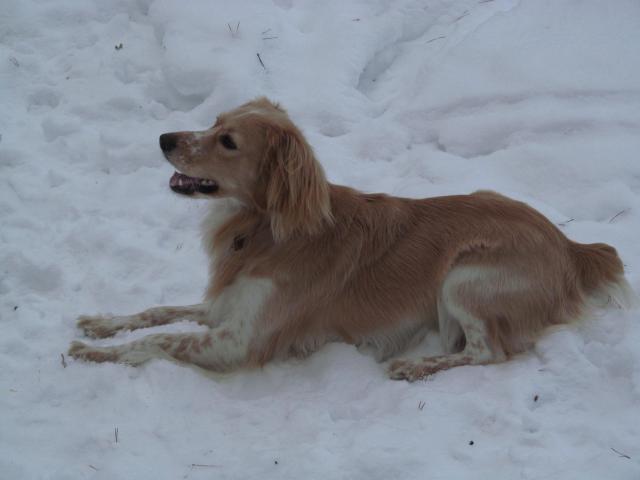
[{"x": 297, "y": 262}]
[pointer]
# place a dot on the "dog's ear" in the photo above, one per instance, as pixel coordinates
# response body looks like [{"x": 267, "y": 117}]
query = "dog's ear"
[{"x": 297, "y": 192}]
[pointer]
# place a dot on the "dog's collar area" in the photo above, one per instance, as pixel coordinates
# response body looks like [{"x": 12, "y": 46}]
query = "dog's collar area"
[
  {"x": 186, "y": 185},
  {"x": 238, "y": 242}
]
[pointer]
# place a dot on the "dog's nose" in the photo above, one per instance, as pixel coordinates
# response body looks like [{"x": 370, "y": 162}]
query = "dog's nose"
[{"x": 168, "y": 142}]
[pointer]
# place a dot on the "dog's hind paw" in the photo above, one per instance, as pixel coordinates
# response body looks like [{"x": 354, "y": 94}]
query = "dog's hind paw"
[
  {"x": 97, "y": 326},
  {"x": 409, "y": 371}
]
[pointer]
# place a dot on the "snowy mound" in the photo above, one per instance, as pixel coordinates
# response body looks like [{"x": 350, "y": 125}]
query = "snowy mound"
[{"x": 537, "y": 99}]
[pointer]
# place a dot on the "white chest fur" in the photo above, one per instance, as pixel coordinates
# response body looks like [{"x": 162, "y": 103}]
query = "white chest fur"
[
  {"x": 220, "y": 211},
  {"x": 237, "y": 307},
  {"x": 241, "y": 302}
]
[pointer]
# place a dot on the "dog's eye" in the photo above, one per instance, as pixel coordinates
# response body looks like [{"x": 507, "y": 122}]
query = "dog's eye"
[{"x": 227, "y": 142}]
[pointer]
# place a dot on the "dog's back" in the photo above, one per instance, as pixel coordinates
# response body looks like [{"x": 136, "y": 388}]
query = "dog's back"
[{"x": 390, "y": 268}]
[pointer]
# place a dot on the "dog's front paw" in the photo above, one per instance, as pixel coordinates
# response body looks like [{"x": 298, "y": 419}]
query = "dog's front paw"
[
  {"x": 82, "y": 351},
  {"x": 97, "y": 326}
]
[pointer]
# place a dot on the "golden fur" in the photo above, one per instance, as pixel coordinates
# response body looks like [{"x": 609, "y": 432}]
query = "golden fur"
[{"x": 367, "y": 269}]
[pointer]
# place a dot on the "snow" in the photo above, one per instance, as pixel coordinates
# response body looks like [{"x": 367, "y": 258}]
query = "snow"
[{"x": 537, "y": 99}]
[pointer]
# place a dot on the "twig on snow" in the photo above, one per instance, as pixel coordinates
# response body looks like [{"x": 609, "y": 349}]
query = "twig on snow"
[
  {"x": 564, "y": 224},
  {"x": 434, "y": 39},
  {"x": 266, "y": 35},
  {"x": 421, "y": 405},
  {"x": 261, "y": 62},
  {"x": 618, "y": 214},
  {"x": 204, "y": 465},
  {"x": 116, "y": 434},
  {"x": 64, "y": 363},
  {"x": 96, "y": 469},
  {"x": 621, "y": 455},
  {"x": 233, "y": 32},
  {"x": 464, "y": 14}
]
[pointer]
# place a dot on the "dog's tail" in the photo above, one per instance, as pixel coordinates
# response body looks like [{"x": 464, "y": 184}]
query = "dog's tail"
[{"x": 600, "y": 275}]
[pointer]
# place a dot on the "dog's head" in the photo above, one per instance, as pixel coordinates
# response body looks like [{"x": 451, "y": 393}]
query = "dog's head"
[{"x": 256, "y": 155}]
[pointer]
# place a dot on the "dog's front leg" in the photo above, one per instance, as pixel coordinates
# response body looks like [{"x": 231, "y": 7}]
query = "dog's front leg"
[
  {"x": 103, "y": 326},
  {"x": 220, "y": 349},
  {"x": 232, "y": 316}
]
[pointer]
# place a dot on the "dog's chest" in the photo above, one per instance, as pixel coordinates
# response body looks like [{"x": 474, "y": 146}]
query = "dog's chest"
[
  {"x": 220, "y": 212},
  {"x": 244, "y": 300}
]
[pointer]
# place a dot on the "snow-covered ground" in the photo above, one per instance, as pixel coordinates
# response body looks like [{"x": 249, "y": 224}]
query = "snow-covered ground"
[{"x": 537, "y": 99}]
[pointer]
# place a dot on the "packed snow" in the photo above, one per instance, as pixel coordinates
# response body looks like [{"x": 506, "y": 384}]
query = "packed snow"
[{"x": 537, "y": 99}]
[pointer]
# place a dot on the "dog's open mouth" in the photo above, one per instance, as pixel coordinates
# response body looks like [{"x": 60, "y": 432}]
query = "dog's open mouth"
[{"x": 186, "y": 185}]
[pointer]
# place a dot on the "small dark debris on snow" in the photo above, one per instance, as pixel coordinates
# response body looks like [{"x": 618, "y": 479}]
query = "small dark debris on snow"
[
  {"x": 116, "y": 434},
  {"x": 119, "y": 46},
  {"x": 91, "y": 466},
  {"x": 436, "y": 38},
  {"x": 470, "y": 442},
  {"x": 620, "y": 454},
  {"x": 421, "y": 405},
  {"x": 535, "y": 398},
  {"x": 64, "y": 363},
  {"x": 15, "y": 307},
  {"x": 234, "y": 32},
  {"x": 261, "y": 62},
  {"x": 275, "y": 462},
  {"x": 618, "y": 214},
  {"x": 268, "y": 36}
]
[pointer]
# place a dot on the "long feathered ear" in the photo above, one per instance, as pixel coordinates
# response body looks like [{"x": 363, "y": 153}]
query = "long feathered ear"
[{"x": 297, "y": 192}]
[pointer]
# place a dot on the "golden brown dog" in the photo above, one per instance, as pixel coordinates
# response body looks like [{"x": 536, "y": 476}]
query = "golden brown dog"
[{"x": 297, "y": 262}]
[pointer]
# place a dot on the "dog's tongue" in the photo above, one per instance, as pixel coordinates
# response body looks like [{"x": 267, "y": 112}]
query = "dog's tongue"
[{"x": 186, "y": 185}]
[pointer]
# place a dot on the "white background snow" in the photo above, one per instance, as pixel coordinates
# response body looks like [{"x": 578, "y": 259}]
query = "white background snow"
[{"x": 537, "y": 99}]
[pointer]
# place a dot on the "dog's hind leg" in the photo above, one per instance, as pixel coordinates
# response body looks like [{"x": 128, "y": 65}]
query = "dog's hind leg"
[
  {"x": 453, "y": 307},
  {"x": 102, "y": 326}
]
